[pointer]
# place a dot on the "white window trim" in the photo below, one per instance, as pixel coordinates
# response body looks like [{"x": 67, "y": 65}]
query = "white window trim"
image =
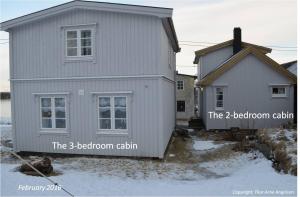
[
  {"x": 53, "y": 129},
  {"x": 182, "y": 85},
  {"x": 112, "y": 118},
  {"x": 279, "y": 95},
  {"x": 215, "y": 99},
  {"x": 77, "y": 28}
]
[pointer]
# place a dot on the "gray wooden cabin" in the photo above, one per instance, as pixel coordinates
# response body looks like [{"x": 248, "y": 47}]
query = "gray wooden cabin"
[
  {"x": 93, "y": 72},
  {"x": 236, "y": 76}
]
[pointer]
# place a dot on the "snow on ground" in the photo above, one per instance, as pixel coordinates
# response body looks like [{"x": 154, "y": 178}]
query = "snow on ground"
[
  {"x": 255, "y": 174},
  {"x": 206, "y": 145}
]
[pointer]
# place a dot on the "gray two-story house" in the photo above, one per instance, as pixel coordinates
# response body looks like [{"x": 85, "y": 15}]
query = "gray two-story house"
[{"x": 93, "y": 73}]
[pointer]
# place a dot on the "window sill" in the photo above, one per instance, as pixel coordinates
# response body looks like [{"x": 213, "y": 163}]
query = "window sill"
[
  {"x": 219, "y": 109},
  {"x": 79, "y": 59},
  {"x": 283, "y": 96},
  {"x": 54, "y": 132},
  {"x": 112, "y": 133}
]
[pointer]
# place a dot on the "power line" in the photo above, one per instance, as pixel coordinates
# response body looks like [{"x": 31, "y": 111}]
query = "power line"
[{"x": 202, "y": 43}]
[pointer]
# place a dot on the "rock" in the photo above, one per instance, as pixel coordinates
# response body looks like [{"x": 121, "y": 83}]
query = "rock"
[{"x": 43, "y": 165}]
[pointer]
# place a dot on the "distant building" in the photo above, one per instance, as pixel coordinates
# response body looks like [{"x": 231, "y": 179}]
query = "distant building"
[
  {"x": 4, "y": 95},
  {"x": 291, "y": 66},
  {"x": 185, "y": 101}
]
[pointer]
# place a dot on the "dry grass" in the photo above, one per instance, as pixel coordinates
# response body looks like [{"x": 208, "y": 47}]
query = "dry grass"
[{"x": 283, "y": 149}]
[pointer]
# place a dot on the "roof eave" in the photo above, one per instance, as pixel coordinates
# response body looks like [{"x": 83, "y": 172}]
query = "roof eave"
[{"x": 101, "y": 6}]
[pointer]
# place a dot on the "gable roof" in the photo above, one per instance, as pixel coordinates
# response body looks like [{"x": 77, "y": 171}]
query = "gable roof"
[
  {"x": 228, "y": 64},
  {"x": 210, "y": 49},
  {"x": 164, "y": 13},
  {"x": 288, "y": 64}
]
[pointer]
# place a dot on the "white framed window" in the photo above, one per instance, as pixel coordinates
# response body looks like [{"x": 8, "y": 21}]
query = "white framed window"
[
  {"x": 79, "y": 42},
  {"x": 113, "y": 113},
  {"x": 279, "y": 91},
  {"x": 180, "y": 85},
  {"x": 219, "y": 98},
  {"x": 53, "y": 112},
  {"x": 180, "y": 106}
]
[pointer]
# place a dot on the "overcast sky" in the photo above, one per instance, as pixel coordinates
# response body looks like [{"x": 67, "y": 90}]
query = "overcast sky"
[{"x": 271, "y": 23}]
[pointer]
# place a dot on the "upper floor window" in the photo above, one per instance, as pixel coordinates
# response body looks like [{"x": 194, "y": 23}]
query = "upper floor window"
[
  {"x": 219, "y": 105},
  {"x": 79, "y": 42},
  {"x": 279, "y": 91},
  {"x": 180, "y": 85}
]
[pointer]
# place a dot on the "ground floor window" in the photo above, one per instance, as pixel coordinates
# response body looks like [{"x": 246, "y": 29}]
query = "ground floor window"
[
  {"x": 219, "y": 99},
  {"x": 112, "y": 113},
  {"x": 180, "y": 106},
  {"x": 53, "y": 112},
  {"x": 279, "y": 91}
]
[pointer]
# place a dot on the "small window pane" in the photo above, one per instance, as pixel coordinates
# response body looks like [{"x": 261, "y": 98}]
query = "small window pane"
[
  {"x": 104, "y": 124},
  {"x": 275, "y": 90},
  {"x": 72, "y": 52},
  {"x": 59, "y": 102},
  {"x": 60, "y": 113},
  {"x": 104, "y": 112},
  {"x": 46, "y": 123},
  {"x": 104, "y": 102},
  {"x": 281, "y": 90},
  {"x": 220, "y": 97},
  {"x": 85, "y": 33},
  {"x": 71, "y": 34},
  {"x": 60, "y": 123},
  {"x": 120, "y": 112},
  {"x": 72, "y": 43},
  {"x": 86, "y": 51},
  {"x": 46, "y": 112},
  {"x": 86, "y": 42},
  {"x": 46, "y": 102},
  {"x": 120, "y": 123},
  {"x": 219, "y": 103},
  {"x": 120, "y": 101},
  {"x": 219, "y": 91}
]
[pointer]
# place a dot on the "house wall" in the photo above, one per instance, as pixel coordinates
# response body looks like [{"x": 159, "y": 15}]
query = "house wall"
[
  {"x": 187, "y": 95},
  {"x": 131, "y": 55},
  {"x": 82, "y": 116},
  {"x": 126, "y": 44},
  {"x": 247, "y": 88},
  {"x": 212, "y": 60}
]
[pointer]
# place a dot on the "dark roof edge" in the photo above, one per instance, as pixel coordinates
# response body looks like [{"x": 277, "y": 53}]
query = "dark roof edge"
[{"x": 288, "y": 64}]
